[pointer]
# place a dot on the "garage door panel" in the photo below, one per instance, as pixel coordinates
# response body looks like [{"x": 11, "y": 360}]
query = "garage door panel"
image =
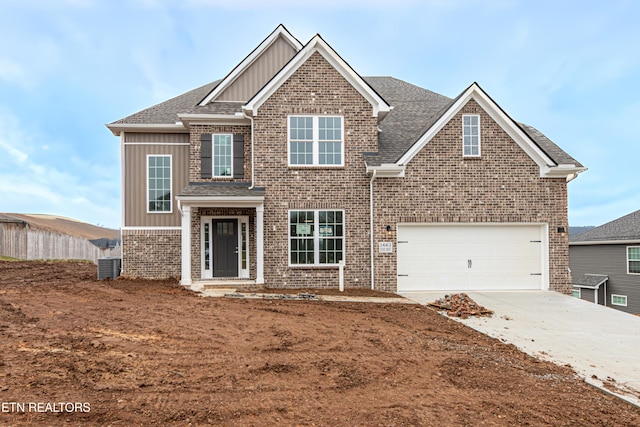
[{"x": 459, "y": 257}]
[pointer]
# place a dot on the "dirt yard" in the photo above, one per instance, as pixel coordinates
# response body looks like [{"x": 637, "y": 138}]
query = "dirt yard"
[{"x": 76, "y": 351}]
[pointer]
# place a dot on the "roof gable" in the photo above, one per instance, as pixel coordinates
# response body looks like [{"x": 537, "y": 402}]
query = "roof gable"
[
  {"x": 317, "y": 44},
  {"x": 257, "y": 68},
  {"x": 548, "y": 166}
]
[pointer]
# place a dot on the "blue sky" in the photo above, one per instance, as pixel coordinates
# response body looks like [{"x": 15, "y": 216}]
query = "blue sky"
[{"x": 67, "y": 67}]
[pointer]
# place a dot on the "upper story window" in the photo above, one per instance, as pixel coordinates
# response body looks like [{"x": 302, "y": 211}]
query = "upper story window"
[
  {"x": 471, "y": 135},
  {"x": 159, "y": 183},
  {"x": 222, "y": 155},
  {"x": 633, "y": 259},
  {"x": 316, "y": 141}
]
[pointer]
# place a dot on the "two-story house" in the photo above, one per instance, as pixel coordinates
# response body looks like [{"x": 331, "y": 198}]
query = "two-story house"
[
  {"x": 293, "y": 167},
  {"x": 605, "y": 263}
]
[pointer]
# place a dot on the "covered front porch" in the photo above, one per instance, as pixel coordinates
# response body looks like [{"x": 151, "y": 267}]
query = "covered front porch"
[{"x": 222, "y": 231}]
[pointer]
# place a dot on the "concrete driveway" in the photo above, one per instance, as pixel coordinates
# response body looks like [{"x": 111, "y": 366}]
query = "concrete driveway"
[{"x": 602, "y": 344}]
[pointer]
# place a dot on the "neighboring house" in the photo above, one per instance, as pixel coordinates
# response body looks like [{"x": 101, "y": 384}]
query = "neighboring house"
[
  {"x": 293, "y": 164},
  {"x": 605, "y": 263}
]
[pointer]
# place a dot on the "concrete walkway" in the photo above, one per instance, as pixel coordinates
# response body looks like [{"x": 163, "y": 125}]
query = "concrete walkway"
[{"x": 602, "y": 344}]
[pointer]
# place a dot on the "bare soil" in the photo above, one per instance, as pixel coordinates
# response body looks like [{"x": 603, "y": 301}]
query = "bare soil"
[{"x": 151, "y": 353}]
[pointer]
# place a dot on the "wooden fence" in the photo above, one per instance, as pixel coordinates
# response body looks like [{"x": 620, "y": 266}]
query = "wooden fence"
[{"x": 18, "y": 240}]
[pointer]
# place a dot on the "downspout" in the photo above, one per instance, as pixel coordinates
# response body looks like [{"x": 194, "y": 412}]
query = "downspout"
[
  {"x": 252, "y": 155},
  {"x": 373, "y": 176}
]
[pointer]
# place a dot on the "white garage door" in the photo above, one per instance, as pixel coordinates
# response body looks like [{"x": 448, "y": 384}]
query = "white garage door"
[{"x": 470, "y": 257}]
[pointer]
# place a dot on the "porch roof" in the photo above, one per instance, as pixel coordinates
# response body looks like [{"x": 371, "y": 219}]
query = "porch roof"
[{"x": 231, "y": 194}]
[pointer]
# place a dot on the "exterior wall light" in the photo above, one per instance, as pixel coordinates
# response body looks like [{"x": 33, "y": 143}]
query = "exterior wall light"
[{"x": 562, "y": 230}]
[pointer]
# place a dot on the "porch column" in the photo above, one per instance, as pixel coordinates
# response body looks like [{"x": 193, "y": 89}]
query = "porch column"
[
  {"x": 186, "y": 246},
  {"x": 260, "y": 244}
]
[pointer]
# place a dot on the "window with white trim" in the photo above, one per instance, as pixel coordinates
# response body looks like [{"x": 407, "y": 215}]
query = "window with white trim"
[
  {"x": 316, "y": 237},
  {"x": 576, "y": 293},
  {"x": 159, "y": 183},
  {"x": 619, "y": 300},
  {"x": 223, "y": 155},
  {"x": 316, "y": 141},
  {"x": 633, "y": 259},
  {"x": 471, "y": 135}
]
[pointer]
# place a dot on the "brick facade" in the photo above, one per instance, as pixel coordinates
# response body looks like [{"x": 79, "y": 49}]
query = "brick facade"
[
  {"x": 195, "y": 146},
  {"x": 502, "y": 186},
  {"x": 315, "y": 88},
  {"x": 151, "y": 254}
]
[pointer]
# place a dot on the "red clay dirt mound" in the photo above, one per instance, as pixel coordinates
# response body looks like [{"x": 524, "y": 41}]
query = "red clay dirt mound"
[{"x": 136, "y": 352}]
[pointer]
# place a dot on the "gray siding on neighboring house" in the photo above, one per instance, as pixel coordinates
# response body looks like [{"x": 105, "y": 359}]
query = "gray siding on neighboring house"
[
  {"x": 612, "y": 261},
  {"x": 259, "y": 73},
  {"x": 137, "y": 148}
]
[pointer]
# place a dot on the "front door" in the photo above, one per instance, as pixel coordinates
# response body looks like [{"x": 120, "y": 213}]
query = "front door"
[{"x": 225, "y": 248}]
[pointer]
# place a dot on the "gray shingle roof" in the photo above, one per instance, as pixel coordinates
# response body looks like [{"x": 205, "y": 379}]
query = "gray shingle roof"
[
  {"x": 624, "y": 228},
  {"x": 221, "y": 189},
  {"x": 591, "y": 281},
  {"x": 415, "y": 110},
  {"x": 167, "y": 112}
]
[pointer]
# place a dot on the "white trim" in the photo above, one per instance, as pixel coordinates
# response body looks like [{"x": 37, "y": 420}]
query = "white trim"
[
  {"x": 627, "y": 252},
  {"x": 548, "y": 167},
  {"x": 149, "y": 228},
  {"x": 479, "y": 139},
  {"x": 185, "y": 269},
  {"x": 122, "y": 182},
  {"x": 221, "y": 201},
  {"x": 170, "y": 211},
  {"x": 386, "y": 170},
  {"x": 606, "y": 242},
  {"x": 240, "y": 219},
  {"x": 315, "y": 142},
  {"x": 260, "y": 244},
  {"x": 626, "y": 300},
  {"x": 116, "y": 129},
  {"x": 316, "y": 238},
  {"x": 123, "y": 259},
  {"x": 317, "y": 44},
  {"x": 250, "y": 59},
  {"x": 217, "y": 119}
]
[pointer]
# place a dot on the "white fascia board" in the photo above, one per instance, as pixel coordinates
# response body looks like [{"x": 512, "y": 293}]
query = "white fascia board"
[
  {"x": 605, "y": 242},
  {"x": 219, "y": 119},
  {"x": 568, "y": 171},
  {"x": 317, "y": 44},
  {"x": 148, "y": 127},
  {"x": 250, "y": 59},
  {"x": 387, "y": 171},
  {"x": 221, "y": 201},
  {"x": 496, "y": 113}
]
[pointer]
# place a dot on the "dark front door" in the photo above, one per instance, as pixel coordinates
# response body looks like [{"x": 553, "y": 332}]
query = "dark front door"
[{"x": 225, "y": 248}]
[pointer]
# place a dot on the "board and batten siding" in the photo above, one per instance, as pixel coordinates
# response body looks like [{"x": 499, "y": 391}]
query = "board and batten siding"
[
  {"x": 259, "y": 73},
  {"x": 612, "y": 261},
  {"x": 137, "y": 146}
]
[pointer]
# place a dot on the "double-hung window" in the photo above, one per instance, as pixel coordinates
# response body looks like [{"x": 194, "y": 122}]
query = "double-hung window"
[
  {"x": 316, "y": 237},
  {"x": 222, "y": 155},
  {"x": 633, "y": 259},
  {"x": 316, "y": 141},
  {"x": 471, "y": 135},
  {"x": 158, "y": 183}
]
